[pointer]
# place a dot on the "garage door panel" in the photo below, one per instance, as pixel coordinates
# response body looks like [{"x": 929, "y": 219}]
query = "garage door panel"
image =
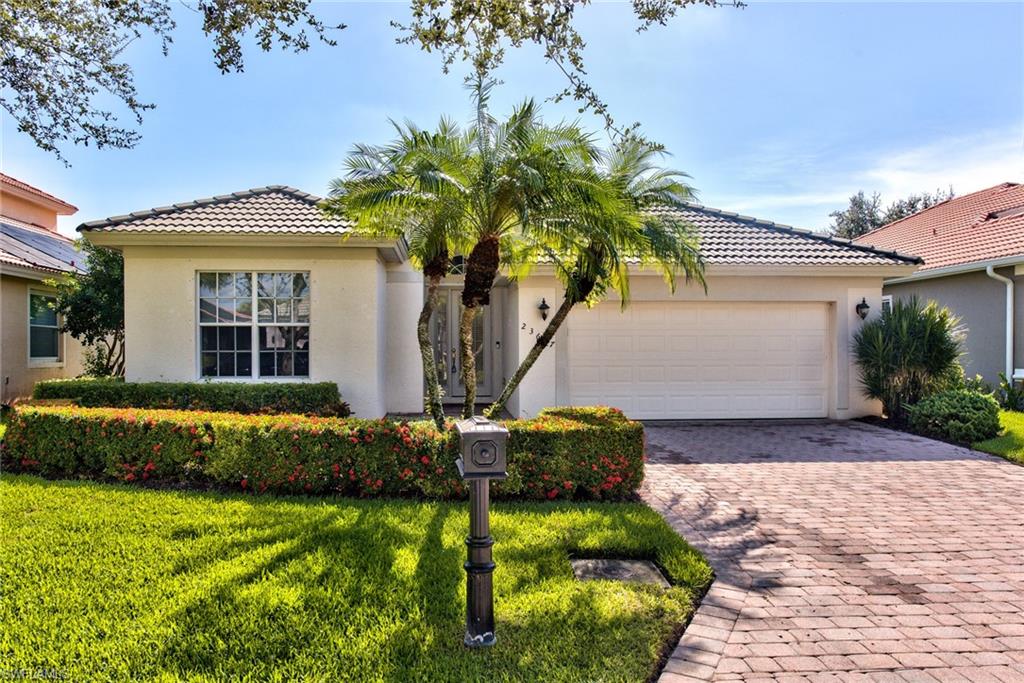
[
  {"x": 618, "y": 344},
  {"x": 651, "y": 375},
  {"x": 683, "y": 344},
  {"x": 615, "y": 374},
  {"x": 701, "y": 360},
  {"x": 651, "y": 343}
]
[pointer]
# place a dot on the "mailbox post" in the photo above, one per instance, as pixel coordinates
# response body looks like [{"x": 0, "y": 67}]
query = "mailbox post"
[{"x": 482, "y": 447}]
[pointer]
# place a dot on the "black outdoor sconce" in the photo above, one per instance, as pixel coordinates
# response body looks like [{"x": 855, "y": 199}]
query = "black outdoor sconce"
[
  {"x": 863, "y": 308},
  {"x": 543, "y": 308},
  {"x": 483, "y": 457}
]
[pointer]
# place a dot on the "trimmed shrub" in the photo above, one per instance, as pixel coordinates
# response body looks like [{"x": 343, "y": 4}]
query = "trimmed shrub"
[
  {"x": 590, "y": 452},
  {"x": 562, "y": 453},
  {"x": 128, "y": 445},
  {"x": 307, "y": 398},
  {"x": 961, "y": 416}
]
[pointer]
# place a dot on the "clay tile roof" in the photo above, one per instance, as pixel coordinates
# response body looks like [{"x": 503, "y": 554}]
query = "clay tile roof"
[
  {"x": 726, "y": 238},
  {"x": 731, "y": 239},
  {"x": 64, "y": 207},
  {"x": 981, "y": 226},
  {"x": 275, "y": 209}
]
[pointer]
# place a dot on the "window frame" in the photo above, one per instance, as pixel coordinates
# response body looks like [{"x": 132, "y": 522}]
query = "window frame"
[
  {"x": 42, "y": 361},
  {"x": 886, "y": 301},
  {"x": 254, "y": 328}
]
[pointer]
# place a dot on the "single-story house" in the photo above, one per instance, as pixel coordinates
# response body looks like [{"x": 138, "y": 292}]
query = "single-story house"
[
  {"x": 32, "y": 252},
  {"x": 258, "y": 285},
  {"x": 973, "y": 252}
]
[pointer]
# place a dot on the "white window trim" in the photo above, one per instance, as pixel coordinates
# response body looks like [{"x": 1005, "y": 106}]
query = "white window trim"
[
  {"x": 42, "y": 362},
  {"x": 886, "y": 299},
  {"x": 255, "y": 325}
]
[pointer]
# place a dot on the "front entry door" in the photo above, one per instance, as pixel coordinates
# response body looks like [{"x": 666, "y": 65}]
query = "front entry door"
[{"x": 444, "y": 331}]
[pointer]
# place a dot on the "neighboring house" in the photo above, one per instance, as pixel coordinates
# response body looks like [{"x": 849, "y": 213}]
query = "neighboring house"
[
  {"x": 973, "y": 252},
  {"x": 258, "y": 285},
  {"x": 32, "y": 251}
]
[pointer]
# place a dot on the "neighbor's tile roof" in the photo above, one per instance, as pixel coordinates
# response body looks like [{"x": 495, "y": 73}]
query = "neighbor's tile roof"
[
  {"x": 22, "y": 185},
  {"x": 274, "y": 209},
  {"x": 731, "y": 239},
  {"x": 28, "y": 246},
  {"x": 981, "y": 226}
]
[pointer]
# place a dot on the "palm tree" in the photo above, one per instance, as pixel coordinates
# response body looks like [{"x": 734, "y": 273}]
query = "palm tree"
[
  {"x": 521, "y": 176},
  {"x": 401, "y": 190},
  {"x": 496, "y": 193},
  {"x": 624, "y": 224}
]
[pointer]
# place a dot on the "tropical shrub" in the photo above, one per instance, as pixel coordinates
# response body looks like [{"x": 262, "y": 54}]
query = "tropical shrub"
[
  {"x": 908, "y": 353},
  {"x": 1010, "y": 395},
  {"x": 959, "y": 415},
  {"x": 562, "y": 453},
  {"x": 308, "y": 398},
  {"x": 978, "y": 384}
]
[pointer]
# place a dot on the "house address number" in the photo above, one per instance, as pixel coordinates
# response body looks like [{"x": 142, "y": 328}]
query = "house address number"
[{"x": 535, "y": 335}]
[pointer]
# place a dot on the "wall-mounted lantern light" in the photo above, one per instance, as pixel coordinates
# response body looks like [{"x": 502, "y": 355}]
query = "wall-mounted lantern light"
[
  {"x": 863, "y": 308},
  {"x": 543, "y": 308}
]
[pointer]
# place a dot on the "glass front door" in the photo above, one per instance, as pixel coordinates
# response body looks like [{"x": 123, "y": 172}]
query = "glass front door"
[{"x": 444, "y": 331}]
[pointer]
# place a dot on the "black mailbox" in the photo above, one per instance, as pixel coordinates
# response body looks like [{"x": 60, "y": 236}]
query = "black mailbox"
[{"x": 482, "y": 445}]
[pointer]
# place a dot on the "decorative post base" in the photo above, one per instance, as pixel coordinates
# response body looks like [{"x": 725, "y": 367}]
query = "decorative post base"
[{"x": 479, "y": 569}]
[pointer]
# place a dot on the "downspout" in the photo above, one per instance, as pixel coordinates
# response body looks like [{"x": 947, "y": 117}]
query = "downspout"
[{"x": 990, "y": 271}]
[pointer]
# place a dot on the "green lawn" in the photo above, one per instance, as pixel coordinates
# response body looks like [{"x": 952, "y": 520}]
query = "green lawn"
[
  {"x": 1011, "y": 444},
  {"x": 103, "y": 582}
]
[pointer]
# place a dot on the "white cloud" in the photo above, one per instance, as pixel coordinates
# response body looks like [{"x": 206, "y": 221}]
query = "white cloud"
[
  {"x": 968, "y": 163},
  {"x": 805, "y": 189}
]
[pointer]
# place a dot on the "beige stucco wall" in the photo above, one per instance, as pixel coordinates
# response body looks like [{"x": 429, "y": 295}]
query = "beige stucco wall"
[
  {"x": 402, "y": 369},
  {"x": 347, "y": 330},
  {"x": 547, "y": 383},
  {"x": 17, "y": 374},
  {"x": 980, "y": 303}
]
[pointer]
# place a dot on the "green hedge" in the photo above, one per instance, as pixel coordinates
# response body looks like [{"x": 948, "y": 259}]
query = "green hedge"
[
  {"x": 307, "y": 398},
  {"x": 958, "y": 415},
  {"x": 562, "y": 453}
]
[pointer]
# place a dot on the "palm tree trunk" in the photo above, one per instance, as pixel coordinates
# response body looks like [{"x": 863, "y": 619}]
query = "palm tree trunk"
[
  {"x": 481, "y": 269},
  {"x": 468, "y": 358},
  {"x": 434, "y": 406},
  {"x": 538, "y": 348}
]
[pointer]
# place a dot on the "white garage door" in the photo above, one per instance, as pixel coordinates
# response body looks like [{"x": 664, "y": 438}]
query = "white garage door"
[{"x": 678, "y": 360}]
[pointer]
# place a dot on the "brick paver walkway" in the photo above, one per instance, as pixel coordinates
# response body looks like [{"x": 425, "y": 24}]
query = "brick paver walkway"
[{"x": 844, "y": 552}]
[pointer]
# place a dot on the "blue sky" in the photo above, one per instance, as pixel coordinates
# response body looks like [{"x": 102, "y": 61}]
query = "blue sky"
[{"x": 779, "y": 110}]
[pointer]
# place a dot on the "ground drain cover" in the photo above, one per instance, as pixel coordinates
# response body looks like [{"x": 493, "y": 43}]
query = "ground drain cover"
[{"x": 639, "y": 571}]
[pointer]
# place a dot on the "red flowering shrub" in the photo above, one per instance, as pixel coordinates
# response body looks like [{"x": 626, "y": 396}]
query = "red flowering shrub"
[
  {"x": 562, "y": 453},
  {"x": 125, "y": 444},
  {"x": 590, "y": 452}
]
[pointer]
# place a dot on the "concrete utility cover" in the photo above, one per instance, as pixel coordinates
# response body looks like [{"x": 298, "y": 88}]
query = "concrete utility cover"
[{"x": 639, "y": 571}]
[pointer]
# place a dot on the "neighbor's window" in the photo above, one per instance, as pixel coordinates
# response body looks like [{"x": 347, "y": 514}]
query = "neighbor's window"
[
  {"x": 233, "y": 342},
  {"x": 43, "y": 330}
]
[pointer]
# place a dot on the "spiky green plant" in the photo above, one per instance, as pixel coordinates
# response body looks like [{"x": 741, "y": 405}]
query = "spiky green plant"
[{"x": 907, "y": 353}]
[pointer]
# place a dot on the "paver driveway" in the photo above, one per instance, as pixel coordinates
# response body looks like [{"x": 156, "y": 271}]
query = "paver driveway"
[{"x": 844, "y": 551}]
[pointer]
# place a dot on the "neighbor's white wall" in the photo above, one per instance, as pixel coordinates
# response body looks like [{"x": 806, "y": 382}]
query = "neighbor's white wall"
[
  {"x": 346, "y": 309},
  {"x": 547, "y": 383},
  {"x": 404, "y": 367}
]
